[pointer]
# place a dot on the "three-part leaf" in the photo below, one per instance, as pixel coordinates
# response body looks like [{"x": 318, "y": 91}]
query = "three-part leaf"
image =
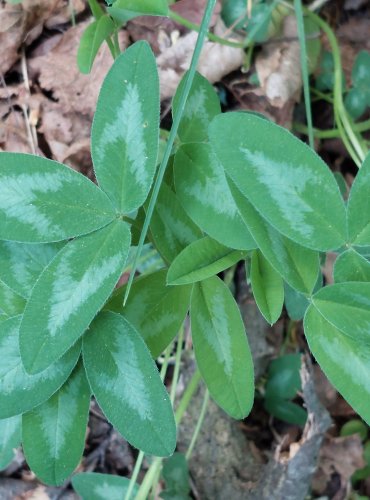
[
  {"x": 359, "y": 207},
  {"x": 201, "y": 260},
  {"x": 95, "y": 486},
  {"x": 69, "y": 293},
  {"x": 344, "y": 359},
  {"x": 127, "y": 385},
  {"x": 43, "y": 201},
  {"x": 10, "y": 438},
  {"x": 22, "y": 263},
  {"x": 154, "y": 309},
  {"x": 125, "y": 131},
  {"x": 351, "y": 266},
  {"x": 283, "y": 178},
  {"x": 299, "y": 266},
  {"x": 20, "y": 392},
  {"x": 53, "y": 434},
  {"x": 347, "y": 307},
  {"x": 221, "y": 347},
  {"x": 204, "y": 193},
  {"x": 267, "y": 287},
  {"x": 201, "y": 107}
]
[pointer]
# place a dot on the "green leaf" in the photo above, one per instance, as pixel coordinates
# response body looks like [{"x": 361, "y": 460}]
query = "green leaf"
[
  {"x": 127, "y": 385},
  {"x": 359, "y": 207},
  {"x": 298, "y": 266},
  {"x": 176, "y": 476},
  {"x": 157, "y": 311},
  {"x": 343, "y": 359},
  {"x": 354, "y": 426},
  {"x": 11, "y": 304},
  {"x": 69, "y": 293},
  {"x": 53, "y": 434},
  {"x": 221, "y": 347},
  {"x": 43, "y": 201},
  {"x": 171, "y": 228},
  {"x": 343, "y": 188},
  {"x": 283, "y": 378},
  {"x": 125, "y": 131},
  {"x": 347, "y": 307},
  {"x": 144, "y": 7},
  {"x": 204, "y": 193},
  {"x": 20, "y": 392},
  {"x": 361, "y": 70},
  {"x": 91, "y": 40},
  {"x": 201, "y": 107},
  {"x": 267, "y": 287},
  {"x": 10, "y": 438},
  {"x": 287, "y": 411},
  {"x": 356, "y": 103},
  {"x": 351, "y": 266},
  {"x": 201, "y": 260},
  {"x": 296, "y": 192},
  {"x": 325, "y": 78},
  {"x": 295, "y": 302},
  {"x": 94, "y": 486},
  {"x": 22, "y": 263}
]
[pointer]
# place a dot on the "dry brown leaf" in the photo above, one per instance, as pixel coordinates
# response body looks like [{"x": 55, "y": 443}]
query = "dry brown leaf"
[
  {"x": 279, "y": 69},
  {"x": 22, "y": 24},
  {"x": 9, "y": 16},
  {"x": 58, "y": 73},
  {"x": 216, "y": 61},
  {"x": 193, "y": 10},
  {"x": 339, "y": 457},
  {"x": 160, "y": 32}
]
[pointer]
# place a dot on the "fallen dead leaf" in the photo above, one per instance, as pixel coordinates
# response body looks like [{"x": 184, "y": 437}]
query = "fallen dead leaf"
[
  {"x": 57, "y": 72},
  {"x": 216, "y": 61},
  {"x": 23, "y": 23},
  {"x": 339, "y": 458},
  {"x": 278, "y": 67}
]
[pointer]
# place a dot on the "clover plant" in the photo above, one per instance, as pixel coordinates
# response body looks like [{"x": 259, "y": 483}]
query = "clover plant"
[{"x": 237, "y": 187}]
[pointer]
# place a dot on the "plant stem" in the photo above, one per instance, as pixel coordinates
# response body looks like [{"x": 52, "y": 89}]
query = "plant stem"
[
  {"x": 188, "y": 394},
  {"x": 172, "y": 136},
  {"x": 199, "y": 425},
  {"x": 135, "y": 473},
  {"x": 176, "y": 372},
  {"x": 97, "y": 11},
  {"x": 304, "y": 69},
  {"x": 154, "y": 469},
  {"x": 349, "y": 137},
  {"x": 195, "y": 27},
  {"x": 332, "y": 133},
  {"x": 72, "y": 11}
]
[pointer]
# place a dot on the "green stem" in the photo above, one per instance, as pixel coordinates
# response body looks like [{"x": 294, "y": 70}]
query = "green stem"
[
  {"x": 140, "y": 458},
  {"x": 117, "y": 49},
  {"x": 135, "y": 473},
  {"x": 188, "y": 394},
  {"x": 172, "y": 136},
  {"x": 352, "y": 142},
  {"x": 332, "y": 133},
  {"x": 304, "y": 69},
  {"x": 155, "y": 467},
  {"x": 198, "y": 426},
  {"x": 176, "y": 371},
  {"x": 195, "y": 27}
]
